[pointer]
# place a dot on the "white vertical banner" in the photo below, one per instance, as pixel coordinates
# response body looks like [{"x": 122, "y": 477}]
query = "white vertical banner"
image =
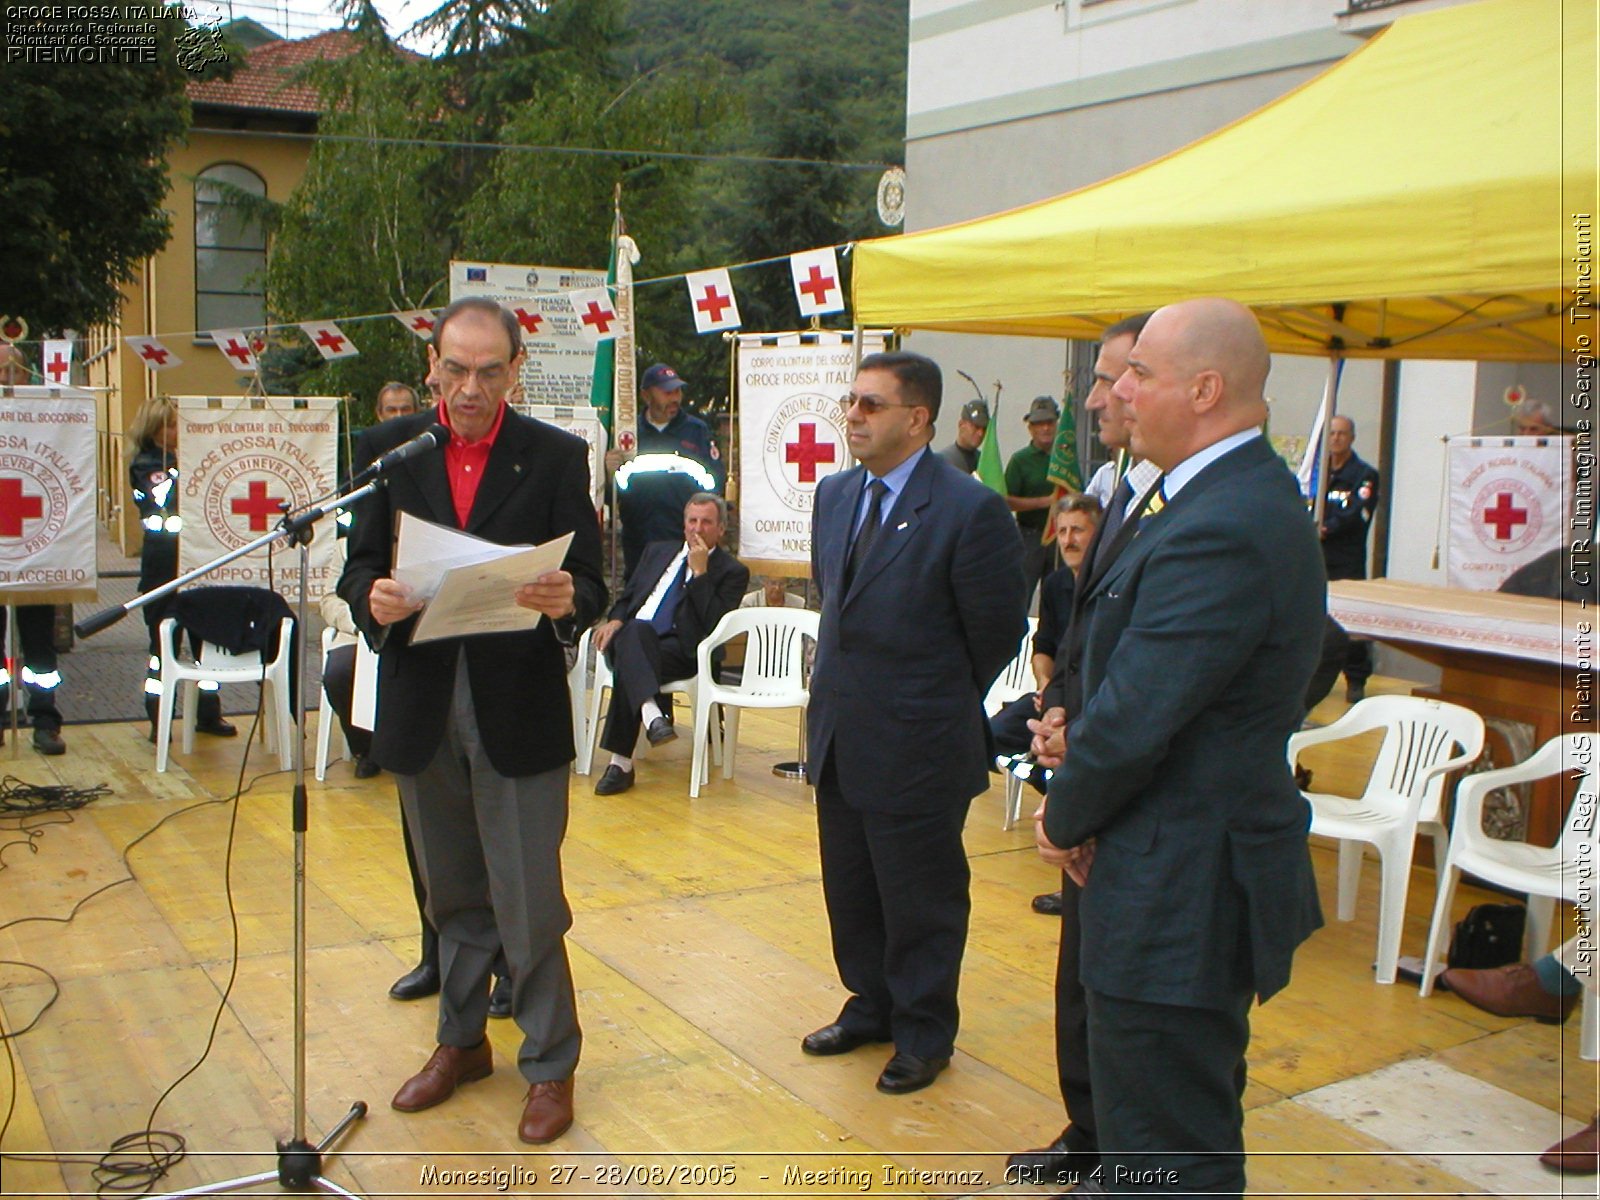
[
  {"x": 47, "y": 493},
  {"x": 791, "y": 436},
  {"x": 240, "y": 458},
  {"x": 583, "y": 421},
  {"x": 1508, "y": 505}
]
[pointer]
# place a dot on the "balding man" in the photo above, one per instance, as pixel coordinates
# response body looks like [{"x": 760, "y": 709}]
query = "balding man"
[
  {"x": 1174, "y": 807},
  {"x": 394, "y": 399},
  {"x": 13, "y": 366}
]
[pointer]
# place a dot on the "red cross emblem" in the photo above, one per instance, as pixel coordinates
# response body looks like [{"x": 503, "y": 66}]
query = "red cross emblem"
[
  {"x": 56, "y": 367},
  {"x": 1504, "y": 516},
  {"x": 600, "y": 318},
  {"x": 713, "y": 302},
  {"x": 331, "y": 340},
  {"x": 15, "y": 507},
  {"x": 817, "y": 285},
  {"x": 424, "y": 323},
  {"x": 625, "y": 441},
  {"x": 238, "y": 352},
  {"x": 155, "y": 354},
  {"x": 257, "y": 505},
  {"x": 530, "y": 322},
  {"x": 808, "y": 452}
]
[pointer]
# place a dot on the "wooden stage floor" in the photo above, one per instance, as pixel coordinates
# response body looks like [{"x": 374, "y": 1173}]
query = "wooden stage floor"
[{"x": 701, "y": 956}]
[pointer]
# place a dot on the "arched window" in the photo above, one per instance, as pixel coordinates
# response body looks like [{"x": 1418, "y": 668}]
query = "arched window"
[{"x": 230, "y": 252}]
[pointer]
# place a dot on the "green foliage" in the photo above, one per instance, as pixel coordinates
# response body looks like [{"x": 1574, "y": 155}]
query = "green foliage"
[{"x": 83, "y": 174}]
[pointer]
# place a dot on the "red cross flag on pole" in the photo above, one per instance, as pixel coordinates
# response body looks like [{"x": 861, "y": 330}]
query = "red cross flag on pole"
[
  {"x": 329, "y": 339},
  {"x": 419, "y": 321},
  {"x": 816, "y": 282},
  {"x": 236, "y": 348},
  {"x": 711, "y": 297},
  {"x": 597, "y": 314},
  {"x": 57, "y": 361},
  {"x": 152, "y": 353}
]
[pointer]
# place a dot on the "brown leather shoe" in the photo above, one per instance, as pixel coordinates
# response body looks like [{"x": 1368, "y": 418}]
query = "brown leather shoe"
[
  {"x": 548, "y": 1113},
  {"x": 1578, "y": 1154},
  {"x": 1512, "y": 991},
  {"x": 449, "y": 1067}
]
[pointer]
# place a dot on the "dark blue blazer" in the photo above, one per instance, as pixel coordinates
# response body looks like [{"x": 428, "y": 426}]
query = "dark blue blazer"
[
  {"x": 905, "y": 656},
  {"x": 1200, "y": 640}
]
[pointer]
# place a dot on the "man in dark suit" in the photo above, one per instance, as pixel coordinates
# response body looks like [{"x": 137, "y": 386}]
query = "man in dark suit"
[
  {"x": 478, "y": 730},
  {"x": 671, "y": 603},
  {"x": 1174, "y": 808},
  {"x": 920, "y": 573}
]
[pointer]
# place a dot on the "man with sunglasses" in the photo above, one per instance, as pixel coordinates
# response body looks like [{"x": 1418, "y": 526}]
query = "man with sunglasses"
[{"x": 920, "y": 573}]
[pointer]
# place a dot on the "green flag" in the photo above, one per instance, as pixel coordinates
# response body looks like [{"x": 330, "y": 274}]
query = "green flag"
[
  {"x": 605, "y": 355},
  {"x": 990, "y": 472},
  {"x": 1063, "y": 470}
]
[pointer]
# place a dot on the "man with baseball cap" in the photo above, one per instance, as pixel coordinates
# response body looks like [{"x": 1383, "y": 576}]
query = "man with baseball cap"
[
  {"x": 1028, "y": 487},
  {"x": 651, "y": 497},
  {"x": 973, "y": 423}
]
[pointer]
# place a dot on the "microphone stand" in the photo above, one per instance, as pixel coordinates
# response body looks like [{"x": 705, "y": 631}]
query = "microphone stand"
[{"x": 299, "y": 1162}]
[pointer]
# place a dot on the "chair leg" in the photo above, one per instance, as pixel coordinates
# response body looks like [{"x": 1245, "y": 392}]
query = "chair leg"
[
  {"x": 1541, "y": 912},
  {"x": 288, "y": 731},
  {"x": 169, "y": 689},
  {"x": 730, "y": 738},
  {"x": 697, "y": 761},
  {"x": 1350, "y": 853},
  {"x": 1437, "y": 931},
  {"x": 324, "y": 737},
  {"x": 191, "y": 701},
  {"x": 1013, "y": 801},
  {"x": 596, "y": 696},
  {"x": 1396, "y": 875}
]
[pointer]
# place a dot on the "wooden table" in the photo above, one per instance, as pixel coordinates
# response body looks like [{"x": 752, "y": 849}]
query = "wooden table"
[{"x": 1524, "y": 664}]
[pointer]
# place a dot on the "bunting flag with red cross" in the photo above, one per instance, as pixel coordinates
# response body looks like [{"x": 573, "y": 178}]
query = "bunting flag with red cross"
[
  {"x": 420, "y": 321},
  {"x": 152, "y": 353},
  {"x": 530, "y": 317},
  {"x": 817, "y": 288},
  {"x": 711, "y": 297},
  {"x": 597, "y": 314},
  {"x": 329, "y": 339},
  {"x": 56, "y": 363},
  {"x": 236, "y": 348}
]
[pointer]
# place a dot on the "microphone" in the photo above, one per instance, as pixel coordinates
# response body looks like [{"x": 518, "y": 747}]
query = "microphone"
[{"x": 431, "y": 438}]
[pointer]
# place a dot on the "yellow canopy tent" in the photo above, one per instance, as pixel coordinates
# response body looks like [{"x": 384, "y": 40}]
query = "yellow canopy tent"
[{"x": 1416, "y": 200}]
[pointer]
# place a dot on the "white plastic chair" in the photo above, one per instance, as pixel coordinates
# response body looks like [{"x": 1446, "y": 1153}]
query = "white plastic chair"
[
  {"x": 327, "y": 722},
  {"x": 598, "y": 684},
  {"x": 1545, "y": 873},
  {"x": 578, "y": 691},
  {"x": 1017, "y": 679},
  {"x": 1403, "y": 795},
  {"x": 216, "y": 663},
  {"x": 773, "y": 677}
]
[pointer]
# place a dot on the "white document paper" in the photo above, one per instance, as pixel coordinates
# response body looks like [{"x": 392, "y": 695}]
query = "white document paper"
[{"x": 469, "y": 585}]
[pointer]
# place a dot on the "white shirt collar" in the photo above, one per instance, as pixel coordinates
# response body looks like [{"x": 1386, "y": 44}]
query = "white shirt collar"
[{"x": 1180, "y": 475}]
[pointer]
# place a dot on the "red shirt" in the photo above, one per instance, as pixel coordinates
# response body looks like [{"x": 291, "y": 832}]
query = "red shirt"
[{"x": 465, "y": 461}]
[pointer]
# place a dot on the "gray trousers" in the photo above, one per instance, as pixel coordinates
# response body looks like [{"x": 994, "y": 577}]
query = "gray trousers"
[{"x": 489, "y": 850}]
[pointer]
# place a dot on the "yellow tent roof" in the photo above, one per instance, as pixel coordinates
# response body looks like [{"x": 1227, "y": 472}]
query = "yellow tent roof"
[{"x": 1416, "y": 200}]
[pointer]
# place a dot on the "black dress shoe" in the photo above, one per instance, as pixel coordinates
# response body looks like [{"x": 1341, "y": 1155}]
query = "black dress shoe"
[
  {"x": 216, "y": 727},
  {"x": 660, "y": 731},
  {"x": 613, "y": 781},
  {"x": 422, "y": 980},
  {"x": 1049, "y": 904},
  {"x": 48, "y": 741},
  {"x": 908, "y": 1073},
  {"x": 366, "y": 768},
  {"x": 500, "y": 997},
  {"x": 1056, "y": 1163},
  {"x": 835, "y": 1039}
]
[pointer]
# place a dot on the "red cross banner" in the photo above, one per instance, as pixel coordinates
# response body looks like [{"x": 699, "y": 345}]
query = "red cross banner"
[
  {"x": 243, "y": 459},
  {"x": 236, "y": 348},
  {"x": 47, "y": 495},
  {"x": 329, "y": 339},
  {"x": 152, "y": 353},
  {"x": 55, "y": 364},
  {"x": 817, "y": 287},
  {"x": 1509, "y": 503},
  {"x": 711, "y": 299},
  {"x": 791, "y": 438},
  {"x": 597, "y": 314},
  {"x": 557, "y": 360},
  {"x": 420, "y": 321}
]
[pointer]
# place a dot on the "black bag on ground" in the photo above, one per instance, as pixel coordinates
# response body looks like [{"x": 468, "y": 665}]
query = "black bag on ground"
[{"x": 1489, "y": 936}]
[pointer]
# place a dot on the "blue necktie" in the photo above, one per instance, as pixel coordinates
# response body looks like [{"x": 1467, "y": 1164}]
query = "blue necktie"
[{"x": 662, "y": 621}]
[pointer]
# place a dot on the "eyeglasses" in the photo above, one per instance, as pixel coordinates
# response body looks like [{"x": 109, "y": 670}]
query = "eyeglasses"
[
  {"x": 871, "y": 405},
  {"x": 490, "y": 376}
]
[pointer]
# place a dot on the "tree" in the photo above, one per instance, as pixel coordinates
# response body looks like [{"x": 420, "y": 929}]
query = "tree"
[{"x": 83, "y": 172}]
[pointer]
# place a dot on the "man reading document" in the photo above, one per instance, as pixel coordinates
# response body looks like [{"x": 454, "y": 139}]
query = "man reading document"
[{"x": 478, "y": 730}]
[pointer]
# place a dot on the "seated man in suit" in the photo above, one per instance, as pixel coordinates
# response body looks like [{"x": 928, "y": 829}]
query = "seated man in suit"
[{"x": 674, "y": 598}]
